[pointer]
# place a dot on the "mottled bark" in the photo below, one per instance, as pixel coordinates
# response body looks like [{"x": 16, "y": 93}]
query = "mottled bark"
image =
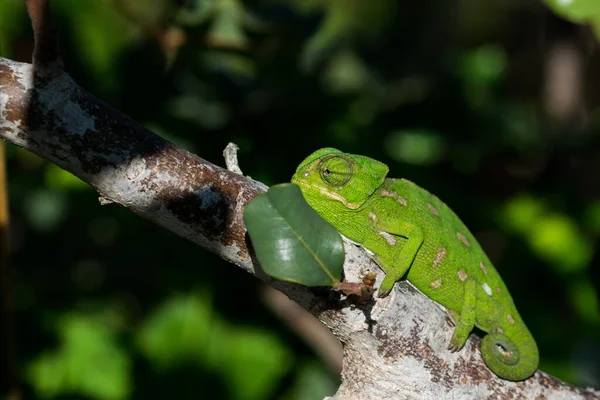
[{"x": 394, "y": 348}]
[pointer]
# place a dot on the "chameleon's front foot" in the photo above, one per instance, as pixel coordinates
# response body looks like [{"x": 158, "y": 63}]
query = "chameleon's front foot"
[{"x": 386, "y": 286}]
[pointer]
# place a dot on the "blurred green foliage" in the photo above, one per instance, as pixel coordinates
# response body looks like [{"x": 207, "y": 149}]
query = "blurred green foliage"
[
  {"x": 88, "y": 361},
  {"x": 454, "y": 95},
  {"x": 188, "y": 329}
]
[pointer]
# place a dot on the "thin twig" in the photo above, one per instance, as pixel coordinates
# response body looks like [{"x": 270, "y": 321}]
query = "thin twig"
[{"x": 231, "y": 161}]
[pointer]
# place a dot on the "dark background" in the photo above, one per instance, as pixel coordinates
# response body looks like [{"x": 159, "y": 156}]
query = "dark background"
[{"x": 491, "y": 105}]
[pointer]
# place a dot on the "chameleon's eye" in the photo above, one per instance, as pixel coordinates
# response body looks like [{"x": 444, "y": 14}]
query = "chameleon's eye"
[{"x": 336, "y": 171}]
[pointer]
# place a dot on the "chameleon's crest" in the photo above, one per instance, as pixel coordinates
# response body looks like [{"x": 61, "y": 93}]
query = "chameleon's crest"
[
  {"x": 316, "y": 155},
  {"x": 347, "y": 178}
]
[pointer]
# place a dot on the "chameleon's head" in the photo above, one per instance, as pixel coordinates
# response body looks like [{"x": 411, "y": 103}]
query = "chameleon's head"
[{"x": 330, "y": 175}]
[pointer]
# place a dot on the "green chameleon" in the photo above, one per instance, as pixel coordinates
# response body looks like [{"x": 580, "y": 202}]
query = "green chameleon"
[{"x": 411, "y": 232}]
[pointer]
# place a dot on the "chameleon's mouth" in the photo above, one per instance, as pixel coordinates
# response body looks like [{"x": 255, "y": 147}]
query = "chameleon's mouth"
[
  {"x": 297, "y": 179},
  {"x": 324, "y": 192}
]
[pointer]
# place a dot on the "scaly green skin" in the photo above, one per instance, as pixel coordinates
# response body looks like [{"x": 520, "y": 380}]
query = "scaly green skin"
[{"x": 411, "y": 232}]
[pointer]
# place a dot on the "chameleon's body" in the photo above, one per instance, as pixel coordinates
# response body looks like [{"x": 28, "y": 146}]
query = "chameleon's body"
[{"x": 411, "y": 232}]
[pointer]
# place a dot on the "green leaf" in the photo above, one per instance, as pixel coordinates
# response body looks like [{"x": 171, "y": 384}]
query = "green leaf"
[
  {"x": 484, "y": 65},
  {"x": 346, "y": 73},
  {"x": 579, "y": 11},
  {"x": 553, "y": 236},
  {"x": 292, "y": 242},
  {"x": 521, "y": 212},
  {"x": 584, "y": 299},
  {"x": 416, "y": 146},
  {"x": 558, "y": 239}
]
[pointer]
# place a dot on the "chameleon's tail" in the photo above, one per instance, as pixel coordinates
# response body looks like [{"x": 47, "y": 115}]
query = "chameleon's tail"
[{"x": 512, "y": 358}]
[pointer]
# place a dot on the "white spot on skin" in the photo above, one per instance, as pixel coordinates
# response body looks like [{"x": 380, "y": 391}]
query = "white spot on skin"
[
  {"x": 439, "y": 257},
  {"x": 510, "y": 319},
  {"x": 463, "y": 239},
  {"x": 306, "y": 174},
  {"x": 394, "y": 195},
  {"x": 462, "y": 275},
  {"x": 500, "y": 330},
  {"x": 436, "y": 284},
  {"x": 372, "y": 216},
  {"x": 433, "y": 210},
  {"x": 333, "y": 196},
  {"x": 389, "y": 238},
  {"x": 487, "y": 289},
  {"x": 483, "y": 268}
]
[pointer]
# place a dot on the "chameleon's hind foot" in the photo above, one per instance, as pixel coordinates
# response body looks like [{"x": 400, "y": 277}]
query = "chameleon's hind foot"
[
  {"x": 455, "y": 345},
  {"x": 465, "y": 321}
]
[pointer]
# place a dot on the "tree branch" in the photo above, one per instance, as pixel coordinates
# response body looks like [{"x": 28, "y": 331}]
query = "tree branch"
[{"x": 393, "y": 348}]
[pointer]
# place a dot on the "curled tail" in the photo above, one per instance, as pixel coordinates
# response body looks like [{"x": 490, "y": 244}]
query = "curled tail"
[{"x": 513, "y": 358}]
